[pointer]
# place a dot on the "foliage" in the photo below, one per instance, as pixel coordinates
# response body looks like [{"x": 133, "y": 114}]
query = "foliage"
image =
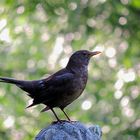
[{"x": 38, "y": 36}]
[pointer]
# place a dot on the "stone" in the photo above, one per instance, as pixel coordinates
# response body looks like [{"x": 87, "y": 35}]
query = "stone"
[{"x": 69, "y": 131}]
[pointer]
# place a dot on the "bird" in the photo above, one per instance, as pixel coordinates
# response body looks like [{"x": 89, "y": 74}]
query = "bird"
[{"x": 61, "y": 88}]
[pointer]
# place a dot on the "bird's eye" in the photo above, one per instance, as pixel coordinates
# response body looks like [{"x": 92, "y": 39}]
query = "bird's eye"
[{"x": 84, "y": 54}]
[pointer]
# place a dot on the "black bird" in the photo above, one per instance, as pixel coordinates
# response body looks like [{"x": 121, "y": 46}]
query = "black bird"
[{"x": 61, "y": 88}]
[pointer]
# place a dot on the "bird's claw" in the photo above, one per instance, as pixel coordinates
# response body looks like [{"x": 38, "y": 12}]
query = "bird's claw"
[{"x": 61, "y": 121}]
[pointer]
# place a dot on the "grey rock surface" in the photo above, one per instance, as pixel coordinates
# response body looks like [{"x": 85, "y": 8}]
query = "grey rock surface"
[{"x": 69, "y": 131}]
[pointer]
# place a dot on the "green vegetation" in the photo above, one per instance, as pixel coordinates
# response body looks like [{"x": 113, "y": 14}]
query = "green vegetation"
[{"x": 38, "y": 36}]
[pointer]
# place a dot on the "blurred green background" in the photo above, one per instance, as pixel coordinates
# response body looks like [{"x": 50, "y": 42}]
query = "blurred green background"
[{"x": 38, "y": 36}]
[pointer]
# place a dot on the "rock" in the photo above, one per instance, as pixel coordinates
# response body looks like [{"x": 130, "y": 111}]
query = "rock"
[{"x": 69, "y": 131}]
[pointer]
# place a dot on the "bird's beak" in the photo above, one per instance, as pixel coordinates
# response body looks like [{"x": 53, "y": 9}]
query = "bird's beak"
[{"x": 94, "y": 53}]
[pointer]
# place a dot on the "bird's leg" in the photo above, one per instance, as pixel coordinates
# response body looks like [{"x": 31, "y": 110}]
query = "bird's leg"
[
  {"x": 55, "y": 115},
  {"x": 65, "y": 114}
]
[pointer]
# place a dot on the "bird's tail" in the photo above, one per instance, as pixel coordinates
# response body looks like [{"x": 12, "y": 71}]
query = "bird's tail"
[
  {"x": 31, "y": 87},
  {"x": 25, "y": 85},
  {"x": 9, "y": 80}
]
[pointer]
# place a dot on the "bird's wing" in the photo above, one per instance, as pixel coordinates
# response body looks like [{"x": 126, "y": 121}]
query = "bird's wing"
[
  {"x": 50, "y": 88},
  {"x": 59, "y": 80},
  {"x": 45, "y": 89}
]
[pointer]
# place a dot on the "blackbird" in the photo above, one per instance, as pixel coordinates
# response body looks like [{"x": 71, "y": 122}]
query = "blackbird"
[{"x": 61, "y": 88}]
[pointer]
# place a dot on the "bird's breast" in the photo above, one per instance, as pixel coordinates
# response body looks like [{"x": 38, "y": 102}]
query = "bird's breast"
[
  {"x": 77, "y": 86},
  {"x": 81, "y": 83},
  {"x": 73, "y": 89}
]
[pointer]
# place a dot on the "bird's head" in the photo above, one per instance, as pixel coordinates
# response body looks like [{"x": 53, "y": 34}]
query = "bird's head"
[{"x": 81, "y": 58}]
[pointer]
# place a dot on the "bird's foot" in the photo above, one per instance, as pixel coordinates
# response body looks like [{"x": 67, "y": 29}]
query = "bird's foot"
[
  {"x": 55, "y": 122},
  {"x": 61, "y": 121},
  {"x": 73, "y": 121}
]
